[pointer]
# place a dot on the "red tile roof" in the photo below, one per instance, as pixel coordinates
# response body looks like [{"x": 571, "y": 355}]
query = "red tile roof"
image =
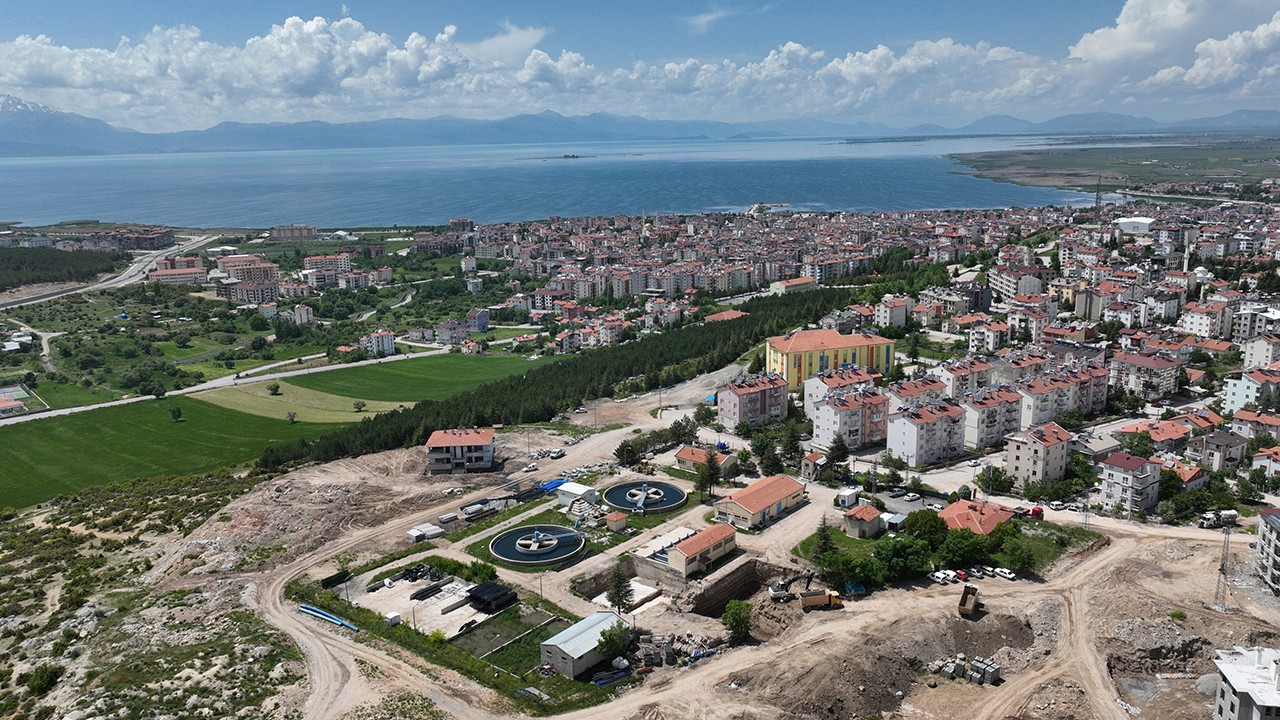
[
  {"x": 865, "y": 513},
  {"x": 460, "y": 436},
  {"x": 979, "y": 517},
  {"x": 1125, "y": 461},
  {"x": 824, "y": 339},
  {"x": 764, "y": 492},
  {"x": 705, "y": 539}
]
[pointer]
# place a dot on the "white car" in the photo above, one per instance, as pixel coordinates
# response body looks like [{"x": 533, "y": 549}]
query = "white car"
[
  {"x": 1006, "y": 573},
  {"x": 974, "y": 463},
  {"x": 530, "y": 467},
  {"x": 935, "y": 507},
  {"x": 938, "y": 578},
  {"x": 950, "y": 575},
  {"x": 910, "y": 497}
]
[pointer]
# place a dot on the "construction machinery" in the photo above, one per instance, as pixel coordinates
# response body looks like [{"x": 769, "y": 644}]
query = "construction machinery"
[
  {"x": 969, "y": 601},
  {"x": 781, "y": 590},
  {"x": 820, "y": 599}
]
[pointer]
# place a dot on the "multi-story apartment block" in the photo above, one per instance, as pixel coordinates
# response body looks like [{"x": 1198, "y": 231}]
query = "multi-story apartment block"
[
  {"x": 892, "y": 311},
  {"x": 250, "y": 293},
  {"x": 963, "y": 376},
  {"x": 293, "y": 233},
  {"x": 179, "y": 262},
  {"x": 261, "y": 273},
  {"x": 817, "y": 387},
  {"x": 1261, "y": 350},
  {"x": 755, "y": 400},
  {"x": 798, "y": 355},
  {"x": 989, "y": 415},
  {"x": 987, "y": 337},
  {"x": 451, "y": 332},
  {"x": 1248, "y": 683},
  {"x": 928, "y": 433},
  {"x": 1209, "y": 319},
  {"x": 478, "y": 320},
  {"x": 379, "y": 344},
  {"x": 1028, "y": 324},
  {"x": 860, "y": 416},
  {"x": 1129, "y": 314},
  {"x": 340, "y": 263},
  {"x": 1267, "y": 557},
  {"x": 921, "y": 389},
  {"x": 1253, "y": 320},
  {"x": 1129, "y": 482},
  {"x": 1253, "y": 387},
  {"x": 1149, "y": 376},
  {"x": 461, "y": 450},
  {"x": 1008, "y": 281},
  {"x": 1249, "y": 424},
  {"x": 1038, "y": 454},
  {"x": 179, "y": 276}
]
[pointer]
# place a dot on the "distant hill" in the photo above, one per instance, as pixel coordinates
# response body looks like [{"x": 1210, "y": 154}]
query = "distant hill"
[{"x": 31, "y": 129}]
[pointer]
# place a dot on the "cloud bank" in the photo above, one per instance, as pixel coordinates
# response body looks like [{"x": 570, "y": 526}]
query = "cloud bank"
[{"x": 1163, "y": 58}]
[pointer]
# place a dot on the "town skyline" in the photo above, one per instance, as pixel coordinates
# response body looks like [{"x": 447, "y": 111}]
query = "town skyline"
[{"x": 185, "y": 68}]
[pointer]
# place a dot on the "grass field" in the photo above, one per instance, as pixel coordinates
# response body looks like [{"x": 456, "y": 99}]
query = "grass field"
[
  {"x": 310, "y": 405},
  {"x": 45, "y": 458},
  {"x": 408, "y": 381},
  {"x": 65, "y": 395}
]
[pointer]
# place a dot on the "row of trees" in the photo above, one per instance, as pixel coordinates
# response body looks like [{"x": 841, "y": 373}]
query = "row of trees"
[
  {"x": 540, "y": 394},
  {"x": 27, "y": 266}
]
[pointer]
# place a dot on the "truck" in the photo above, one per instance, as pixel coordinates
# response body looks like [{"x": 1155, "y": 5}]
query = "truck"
[
  {"x": 969, "y": 602},
  {"x": 1217, "y": 518},
  {"x": 820, "y": 599},
  {"x": 1037, "y": 512}
]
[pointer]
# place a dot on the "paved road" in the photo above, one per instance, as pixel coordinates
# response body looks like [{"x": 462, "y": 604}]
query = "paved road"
[{"x": 132, "y": 274}]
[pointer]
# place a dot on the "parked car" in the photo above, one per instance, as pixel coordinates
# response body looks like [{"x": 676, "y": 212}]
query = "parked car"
[
  {"x": 938, "y": 578},
  {"x": 897, "y": 492},
  {"x": 1006, "y": 573},
  {"x": 988, "y": 571},
  {"x": 1073, "y": 507},
  {"x": 974, "y": 463},
  {"x": 1057, "y": 505},
  {"x": 962, "y": 575},
  {"x": 936, "y": 507},
  {"x": 580, "y": 410},
  {"x": 531, "y": 467},
  {"x": 949, "y": 575},
  {"x": 911, "y": 497},
  {"x": 975, "y": 572}
]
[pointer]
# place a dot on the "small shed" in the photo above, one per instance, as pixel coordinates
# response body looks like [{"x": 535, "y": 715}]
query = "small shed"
[
  {"x": 570, "y": 491},
  {"x": 572, "y": 651},
  {"x": 616, "y": 521},
  {"x": 848, "y": 497},
  {"x": 862, "y": 521}
]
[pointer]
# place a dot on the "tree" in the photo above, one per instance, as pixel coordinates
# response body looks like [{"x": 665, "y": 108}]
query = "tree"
[
  {"x": 964, "y": 492},
  {"x": 743, "y": 429},
  {"x": 273, "y": 388},
  {"x": 258, "y": 323},
  {"x": 359, "y": 405},
  {"x": 703, "y": 414},
  {"x": 175, "y": 413},
  {"x": 770, "y": 463},
  {"x": 1138, "y": 443},
  {"x": 614, "y": 640},
  {"x": 618, "y": 589},
  {"x": 961, "y": 548},
  {"x": 1199, "y": 357},
  {"x": 823, "y": 544},
  {"x": 757, "y": 364},
  {"x": 839, "y": 451},
  {"x": 839, "y": 569},
  {"x": 1170, "y": 485},
  {"x": 1019, "y": 555},
  {"x": 708, "y": 473},
  {"x": 737, "y": 620},
  {"x": 626, "y": 453},
  {"x": 902, "y": 557},
  {"x": 291, "y": 417},
  {"x": 926, "y": 525},
  {"x": 1246, "y": 491}
]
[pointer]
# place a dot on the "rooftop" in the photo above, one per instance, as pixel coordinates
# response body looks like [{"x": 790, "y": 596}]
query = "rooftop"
[
  {"x": 823, "y": 339},
  {"x": 764, "y": 492},
  {"x": 1251, "y": 671},
  {"x": 460, "y": 436},
  {"x": 978, "y": 517},
  {"x": 579, "y": 639},
  {"x": 705, "y": 539}
]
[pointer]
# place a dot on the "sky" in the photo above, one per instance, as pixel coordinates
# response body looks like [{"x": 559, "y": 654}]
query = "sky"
[{"x": 163, "y": 65}]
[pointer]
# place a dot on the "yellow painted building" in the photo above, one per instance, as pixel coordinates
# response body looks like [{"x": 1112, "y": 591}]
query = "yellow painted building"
[{"x": 798, "y": 355}]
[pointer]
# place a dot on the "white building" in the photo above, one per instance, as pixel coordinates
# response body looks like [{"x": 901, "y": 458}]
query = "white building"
[
  {"x": 989, "y": 415},
  {"x": 1261, "y": 350},
  {"x": 1134, "y": 225},
  {"x": 379, "y": 344},
  {"x": 1129, "y": 482},
  {"x": 1254, "y": 319},
  {"x": 891, "y": 311},
  {"x": 572, "y": 651},
  {"x": 928, "y": 433},
  {"x": 1210, "y": 319},
  {"x": 817, "y": 387},
  {"x": 1248, "y": 684},
  {"x": 860, "y": 416},
  {"x": 963, "y": 376},
  {"x": 1037, "y": 455},
  {"x": 1250, "y": 387}
]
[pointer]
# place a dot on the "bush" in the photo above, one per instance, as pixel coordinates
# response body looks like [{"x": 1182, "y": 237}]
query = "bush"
[
  {"x": 1178, "y": 615},
  {"x": 42, "y": 679}
]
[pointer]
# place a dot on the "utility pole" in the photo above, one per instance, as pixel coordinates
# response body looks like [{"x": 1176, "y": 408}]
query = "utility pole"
[{"x": 1224, "y": 567}]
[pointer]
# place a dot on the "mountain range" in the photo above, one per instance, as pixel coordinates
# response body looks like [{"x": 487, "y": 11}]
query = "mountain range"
[{"x": 31, "y": 129}]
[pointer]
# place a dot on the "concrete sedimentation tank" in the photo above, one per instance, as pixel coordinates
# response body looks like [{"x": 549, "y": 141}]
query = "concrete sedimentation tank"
[
  {"x": 536, "y": 544},
  {"x": 644, "y": 496}
]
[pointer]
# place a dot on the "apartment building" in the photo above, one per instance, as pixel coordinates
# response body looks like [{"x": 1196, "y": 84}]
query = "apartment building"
[
  {"x": 892, "y": 311},
  {"x": 340, "y": 263},
  {"x": 293, "y": 233},
  {"x": 1129, "y": 482},
  {"x": 1267, "y": 557},
  {"x": 1248, "y": 682},
  {"x": 922, "y": 389},
  {"x": 927, "y": 433},
  {"x": 963, "y": 376},
  {"x": 798, "y": 355},
  {"x": 1253, "y": 386},
  {"x": 817, "y": 387},
  {"x": 757, "y": 401},
  {"x": 1261, "y": 350},
  {"x": 179, "y": 276},
  {"x": 1038, "y": 454},
  {"x": 1210, "y": 319},
  {"x": 989, "y": 415},
  {"x": 1028, "y": 324},
  {"x": 460, "y": 450},
  {"x": 987, "y": 337},
  {"x": 379, "y": 344},
  {"x": 1251, "y": 423},
  {"x": 1149, "y": 376},
  {"x": 860, "y": 416},
  {"x": 1254, "y": 319}
]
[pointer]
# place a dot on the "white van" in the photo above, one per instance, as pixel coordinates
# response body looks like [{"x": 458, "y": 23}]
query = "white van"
[{"x": 1057, "y": 505}]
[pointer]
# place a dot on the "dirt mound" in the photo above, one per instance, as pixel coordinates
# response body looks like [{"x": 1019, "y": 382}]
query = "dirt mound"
[
  {"x": 770, "y": 619},
  {"x": 1154, "y": 645},
  {"x": 1058, "y": 699},
  {"x": 871, "y": 671}
]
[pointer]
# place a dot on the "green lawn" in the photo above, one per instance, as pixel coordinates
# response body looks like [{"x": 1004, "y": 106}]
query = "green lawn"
[
  {"x": 857, "y": 546},
  {"x": 65, "y": 395},
  {"x": 429, "y": 378},
  {"x": 49, "y": 457}
]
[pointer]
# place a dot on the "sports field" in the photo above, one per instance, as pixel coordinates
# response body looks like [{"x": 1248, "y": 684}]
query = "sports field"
[
  {"x": 308, "y": 405},
  {"x": 49, "y": 457},
  {"x": 408, "y": 381}
]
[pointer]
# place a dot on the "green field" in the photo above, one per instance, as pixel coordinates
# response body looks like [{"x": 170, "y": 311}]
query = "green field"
[
  {"x": 49, "y": 457},
  {"x": 65, "y": 395},
  {"x": 308, "y": 405},
  {"x": 408, "y": 381}
]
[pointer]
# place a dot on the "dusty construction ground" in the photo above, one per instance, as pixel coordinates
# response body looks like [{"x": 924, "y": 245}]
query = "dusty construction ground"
[{"x": 1096, "y": 629}]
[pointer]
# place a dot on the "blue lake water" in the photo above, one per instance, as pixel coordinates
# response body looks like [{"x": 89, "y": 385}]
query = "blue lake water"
[{"x": 496, "y": 183}]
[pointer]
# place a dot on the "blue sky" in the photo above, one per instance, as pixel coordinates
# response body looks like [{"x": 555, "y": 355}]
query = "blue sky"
[{"x": 192, "y": 64}]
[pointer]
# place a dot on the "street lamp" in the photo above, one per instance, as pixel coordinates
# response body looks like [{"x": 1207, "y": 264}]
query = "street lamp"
[{"x": 413, "y": 614}]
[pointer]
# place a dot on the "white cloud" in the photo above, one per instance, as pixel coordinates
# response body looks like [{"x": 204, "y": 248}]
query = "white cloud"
[
  {"x": 1175, "y": 57},
  {"x": 701, "y": 23}
]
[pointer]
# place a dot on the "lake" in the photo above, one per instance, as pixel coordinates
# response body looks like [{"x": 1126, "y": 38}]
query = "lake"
[{"x": 496, "y": 183}]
